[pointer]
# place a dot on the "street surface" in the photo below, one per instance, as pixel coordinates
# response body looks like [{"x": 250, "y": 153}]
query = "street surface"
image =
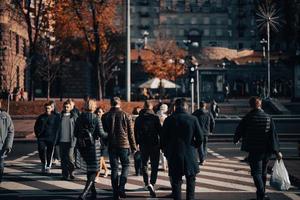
[{"x": 222, "y": 177}]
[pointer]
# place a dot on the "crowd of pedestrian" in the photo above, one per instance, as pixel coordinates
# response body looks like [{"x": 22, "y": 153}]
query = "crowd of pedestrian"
[{"x": 171, "y": 136}]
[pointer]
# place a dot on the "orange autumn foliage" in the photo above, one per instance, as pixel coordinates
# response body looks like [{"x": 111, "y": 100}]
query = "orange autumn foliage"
[{"x": 164, "y": 62}]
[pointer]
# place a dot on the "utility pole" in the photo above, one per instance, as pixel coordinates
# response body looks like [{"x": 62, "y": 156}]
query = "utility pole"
[{"x": 128, "y": 56}]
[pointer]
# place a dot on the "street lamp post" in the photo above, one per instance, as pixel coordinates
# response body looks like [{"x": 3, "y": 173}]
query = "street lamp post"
[
  {"x": 176, "y": 61},
  {"x": 128, "y": 59},
  {"x": 197, "y": 85},
  {"x": 192, "y": 94},
  {"x": 263, "y": 42}
]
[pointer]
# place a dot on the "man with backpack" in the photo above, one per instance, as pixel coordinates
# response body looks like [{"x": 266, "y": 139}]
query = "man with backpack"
[
  {"x": 118, "y": 125},
  {"x": 147, "y": 131}
]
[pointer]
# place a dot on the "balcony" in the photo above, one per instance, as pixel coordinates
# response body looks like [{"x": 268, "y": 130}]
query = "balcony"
[{"x": 144, "y": 14}]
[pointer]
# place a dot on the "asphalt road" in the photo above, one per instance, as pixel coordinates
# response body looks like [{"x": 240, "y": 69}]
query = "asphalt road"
[{"x": 223, "y": 175}]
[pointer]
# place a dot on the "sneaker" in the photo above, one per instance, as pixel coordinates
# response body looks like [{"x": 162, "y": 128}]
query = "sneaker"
[
  {"x": 152, "y": 191},
  {"x": 105, "y": 174},
  {"x": 146, "y": 187},
  {"x": 48, "y": 170},
  {"x": 43, "y": 169},
  {"x": 72, "y": 177},
  {"x": 97, "y": 180},
  {"x": 122, "y": 194}
]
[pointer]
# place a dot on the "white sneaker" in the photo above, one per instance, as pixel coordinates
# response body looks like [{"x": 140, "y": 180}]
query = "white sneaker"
[
  {"x": 48, "y": 170},
  {"x": 152, "y": 191}
]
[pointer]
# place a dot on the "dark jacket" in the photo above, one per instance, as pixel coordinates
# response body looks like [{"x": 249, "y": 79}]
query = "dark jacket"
[
  {"x": 206, "y": 121},
  {"x": 73, "y": 118},
  {"x": 46, "y": 127},
  {"x": 180, "y": 137},
  {"x": 258, "y": 133},
  {"x": 6, "y": 131},
  {"x": 91, "y": 153},
  {"x": 147, "y": 129},
  {"x": 118, "y": 126}
]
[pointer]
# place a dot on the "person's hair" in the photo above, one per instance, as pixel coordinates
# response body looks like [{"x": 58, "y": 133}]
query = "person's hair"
[
  {"x": 52, "y": 102},
  {"x": 67, "y": 102},
  {"x": 148, "y": 104},
  {"x": 180, "y": 103},
  {"x": 86, "y": 97},
  {"x": 98, "y": 109},
  {"x": 255, "y": 102},
  {"x": 136, "y": 110},
  {"x": 115, "y": 101},
  {"x": 90, "y": 106},
  {"x": 202, "y": 104},
  {"x": 47, "y": 104}
]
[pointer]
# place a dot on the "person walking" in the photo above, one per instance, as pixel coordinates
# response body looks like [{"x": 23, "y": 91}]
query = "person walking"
[
  {"x": 67, "y": 141},
  {"x": 147, "y": 129},
  {"x": 180, "y": 137},
  {"x": 118, "y": 125},
  {"x": 56, "y": 155},
  {"x": 88, "y": 133},
  {"x": 260, "y": 140},
  {"x": 6, "y": 138},
  {"x": 162, "y": 114},
  {"x": 99, "y": 112},
  {"x": 214, "y": 109},
  {"x": 207, "y": 124},
  {"x": 46, "y": 131}
]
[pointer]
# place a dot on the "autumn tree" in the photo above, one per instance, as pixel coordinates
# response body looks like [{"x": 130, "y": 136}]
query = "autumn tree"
[
  {"x": 94, "y": 22},
  {"x": 35, "y": 13},
  {"x": 164, "y": 60}
]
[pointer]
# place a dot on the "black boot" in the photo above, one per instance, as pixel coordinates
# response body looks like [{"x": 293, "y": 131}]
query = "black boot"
[
  {"x": 86, "y": 190},
  {"x": 94, "y": 192}
]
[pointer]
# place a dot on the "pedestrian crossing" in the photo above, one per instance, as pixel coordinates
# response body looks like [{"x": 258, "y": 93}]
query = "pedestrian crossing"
[{"x": 217, "y": 175}]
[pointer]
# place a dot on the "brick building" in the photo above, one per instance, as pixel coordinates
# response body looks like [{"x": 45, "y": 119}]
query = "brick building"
[{"x": 13, "y": 43}]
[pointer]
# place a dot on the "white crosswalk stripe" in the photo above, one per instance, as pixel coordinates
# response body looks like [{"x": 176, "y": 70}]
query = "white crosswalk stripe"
[{"x": 217, "y": 175}]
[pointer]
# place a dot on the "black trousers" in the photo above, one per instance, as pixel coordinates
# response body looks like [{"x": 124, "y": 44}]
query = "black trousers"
[
  {"x": 258, "y": 164},
  {"x": 176, "y": 183},
  {"x": 45, "y": 149},
  {"x": 152, "y": 154},
  {"x": 67, "y": 158},
  {"x": 1, "y": 168}
]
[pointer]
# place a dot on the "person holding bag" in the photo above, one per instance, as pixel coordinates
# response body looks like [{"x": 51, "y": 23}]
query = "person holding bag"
[
  {"x": 260, "y": 140},
  {"x": 88, "y": 133}
]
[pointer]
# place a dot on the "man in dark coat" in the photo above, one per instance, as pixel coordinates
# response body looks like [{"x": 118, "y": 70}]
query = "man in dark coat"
[
  {"x": 207, "y": 124},
  {"x": 118, "y": 125},
  {"x": 147, "y": 129},
  {"x": 260, "y": 140},
  {"x": 46, "y": 131},
  {"x": 6, "y": 138},
  {"x": 180, "y": 137}
]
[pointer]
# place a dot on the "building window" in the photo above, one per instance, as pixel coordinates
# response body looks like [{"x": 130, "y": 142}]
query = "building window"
[
  {"x": 17, "y": 44},
  {"x": 229, "y": 22},
  {"x": 206, "y": 20},
  {"x": 18, "y": 77},
  {"x": 180, "y": 6},
  {"x": 193, "y": 20},
  {"x": 241, "y": 33},
  {"x": 219, "y": 32},
  {"x": 241, "y": 45},
  {"x": 206, "y": 32},
  {"x": 181, "y": 32}
]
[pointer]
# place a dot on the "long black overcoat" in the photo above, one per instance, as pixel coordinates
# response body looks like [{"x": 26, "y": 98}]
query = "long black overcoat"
[{"x": 180, "y": 137}]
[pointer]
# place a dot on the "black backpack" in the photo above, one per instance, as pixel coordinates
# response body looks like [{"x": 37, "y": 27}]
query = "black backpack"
[{"x": 85, "y": 136}]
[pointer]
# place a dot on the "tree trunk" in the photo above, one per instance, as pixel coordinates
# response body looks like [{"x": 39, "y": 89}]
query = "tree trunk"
[
  {"x": 48, "y": 90},
  {"x": 99, "y": 87}
]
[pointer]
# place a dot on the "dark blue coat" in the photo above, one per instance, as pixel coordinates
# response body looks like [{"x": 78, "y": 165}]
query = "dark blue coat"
[{"x": 180, "y": 137}]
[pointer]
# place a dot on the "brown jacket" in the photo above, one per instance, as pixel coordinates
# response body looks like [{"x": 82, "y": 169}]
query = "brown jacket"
[{"x": 118, "y": 125}]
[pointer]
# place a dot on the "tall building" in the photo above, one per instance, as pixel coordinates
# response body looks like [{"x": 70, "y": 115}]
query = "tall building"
[
  {"x": 221, "y": 23},
  {"x": 13, "y": 43}
]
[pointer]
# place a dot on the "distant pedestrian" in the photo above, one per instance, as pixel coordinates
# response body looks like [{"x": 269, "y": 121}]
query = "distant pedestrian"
[
  {"x": 67, "y": 141},
  {"x": 180, "y": 137},
  {"x": 147, "y": 129},
  {"x": 99, "y": 112},
  {"x": 226, "y": 92},
  {"x": 260, "y": 140},
  {"x": 162, "y": 114},
  {"x": 118, "y": 125},
  {"x": 46, "y": 131},
  {"x": 207, "y": 125},
  {"x": 56, "y": 154},
  {"x": 214, "y": 109},
  {"x": 88, "y": 133},
  {"x": 7, "y": 136},
  {"x": 74, "y": 108}
]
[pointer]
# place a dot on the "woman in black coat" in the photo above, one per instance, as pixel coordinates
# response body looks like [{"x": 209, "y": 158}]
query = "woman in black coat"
[{"x": 88, "y": 133}]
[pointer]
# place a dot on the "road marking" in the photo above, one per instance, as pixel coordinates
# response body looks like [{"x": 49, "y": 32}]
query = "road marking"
[{"x": 25, "y": 157}]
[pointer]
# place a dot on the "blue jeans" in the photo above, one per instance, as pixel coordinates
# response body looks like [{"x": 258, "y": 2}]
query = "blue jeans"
[
  {"x": 114, "y": 155},
  {"x": 202, "y": 150},
  {"x": 258, "y": 164}
]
